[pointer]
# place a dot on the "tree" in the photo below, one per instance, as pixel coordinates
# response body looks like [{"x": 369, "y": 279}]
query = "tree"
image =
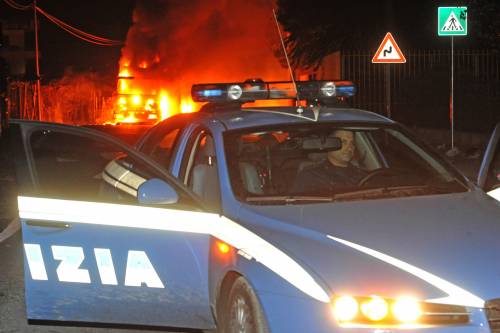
[
  {"x": 317, "y": 28},
  {"x": 484, "y": 20}
]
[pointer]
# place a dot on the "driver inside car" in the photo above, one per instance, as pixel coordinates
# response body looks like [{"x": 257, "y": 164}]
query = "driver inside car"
[{"x": 336, "y": 171}]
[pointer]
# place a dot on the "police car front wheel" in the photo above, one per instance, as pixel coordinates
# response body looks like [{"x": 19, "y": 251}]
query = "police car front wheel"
[{"x": 243, "y": 311}]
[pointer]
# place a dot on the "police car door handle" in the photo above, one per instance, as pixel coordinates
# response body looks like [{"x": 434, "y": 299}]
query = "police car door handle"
[{"x": 49, "y": 224}]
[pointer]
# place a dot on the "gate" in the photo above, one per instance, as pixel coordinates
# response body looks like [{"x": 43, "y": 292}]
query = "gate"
[{"x": 420, "y": 88}]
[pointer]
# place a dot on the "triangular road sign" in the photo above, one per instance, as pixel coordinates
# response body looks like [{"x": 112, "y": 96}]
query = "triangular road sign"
[
  {"x": 388, "y": 51},
  {"x": 452, "y": 24}
]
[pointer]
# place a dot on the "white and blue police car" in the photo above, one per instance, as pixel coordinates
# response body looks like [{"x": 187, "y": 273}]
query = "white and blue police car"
[{"x": 228, "y": 220}]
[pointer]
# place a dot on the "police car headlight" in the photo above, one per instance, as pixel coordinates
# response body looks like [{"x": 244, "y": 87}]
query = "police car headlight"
[{"x": 375, "y": 311}]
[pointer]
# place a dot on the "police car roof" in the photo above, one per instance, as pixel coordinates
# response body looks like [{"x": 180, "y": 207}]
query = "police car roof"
[{"x": 239, "y": 118}]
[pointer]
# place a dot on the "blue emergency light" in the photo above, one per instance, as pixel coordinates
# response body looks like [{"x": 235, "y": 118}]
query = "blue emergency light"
[{"x": 253, "y": 90}]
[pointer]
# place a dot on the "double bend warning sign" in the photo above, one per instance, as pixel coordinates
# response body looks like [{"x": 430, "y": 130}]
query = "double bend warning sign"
[{"x": 388, "y": 51}]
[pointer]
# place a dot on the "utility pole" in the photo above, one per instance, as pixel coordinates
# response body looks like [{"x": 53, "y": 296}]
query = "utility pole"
[{"x": 37, "y": 65}]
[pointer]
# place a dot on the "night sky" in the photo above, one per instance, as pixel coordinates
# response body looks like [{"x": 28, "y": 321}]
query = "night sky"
[{"x": 413, "y": 23}]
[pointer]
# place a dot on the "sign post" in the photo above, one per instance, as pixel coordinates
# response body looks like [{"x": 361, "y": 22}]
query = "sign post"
[
  {"x": 388, "y": 53},
  {"x": 452, "y": 21}
]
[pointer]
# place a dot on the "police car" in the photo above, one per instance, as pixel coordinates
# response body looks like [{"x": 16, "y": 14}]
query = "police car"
[{"x": 208, "y": 223}]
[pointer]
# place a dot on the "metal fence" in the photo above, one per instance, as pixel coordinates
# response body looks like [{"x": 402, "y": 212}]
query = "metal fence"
[
  {"x": 420, "y": 88},
  {"x": 21, "y": 96}
]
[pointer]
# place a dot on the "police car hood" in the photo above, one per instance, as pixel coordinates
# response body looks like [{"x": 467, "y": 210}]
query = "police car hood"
[{"x": 418, "y": 245}]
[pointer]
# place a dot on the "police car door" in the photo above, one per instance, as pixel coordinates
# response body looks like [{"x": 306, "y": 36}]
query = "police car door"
[
  {"x": 93, "y": 255},
  {"x": 489, "y": 173}
]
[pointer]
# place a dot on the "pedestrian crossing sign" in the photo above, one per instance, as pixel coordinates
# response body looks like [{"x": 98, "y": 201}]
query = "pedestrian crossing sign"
[{"x": 452, "y": 21}]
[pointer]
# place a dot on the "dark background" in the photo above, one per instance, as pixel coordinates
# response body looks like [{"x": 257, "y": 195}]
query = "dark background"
[{"x": 60, "y": 51}]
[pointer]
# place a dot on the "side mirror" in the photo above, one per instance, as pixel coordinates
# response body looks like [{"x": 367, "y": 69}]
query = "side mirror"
[{"x": 156, "y": 192}]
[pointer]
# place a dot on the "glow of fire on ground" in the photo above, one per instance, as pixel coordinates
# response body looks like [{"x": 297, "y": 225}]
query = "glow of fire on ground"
[{"x": 130, "y": 119}]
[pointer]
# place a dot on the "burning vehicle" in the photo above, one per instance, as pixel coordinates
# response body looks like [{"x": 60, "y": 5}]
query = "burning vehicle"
[
  {"x": 140, "y": 99},
  {"x": 134, "y": 107}
]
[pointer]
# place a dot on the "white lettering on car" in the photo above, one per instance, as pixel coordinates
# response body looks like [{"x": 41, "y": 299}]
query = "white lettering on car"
[
  {"x": 139, "y": 269},
  {"x": 35, "y": 261},
  {"x": 173, "y": 220},
  {"x": 69, "y": 269},
  {"x": 105, "y": 266}
]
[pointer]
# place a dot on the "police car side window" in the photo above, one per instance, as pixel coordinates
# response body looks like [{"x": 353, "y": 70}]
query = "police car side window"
[
  {"x": 199, "y": 169},
  {"x": 160, "y": 146},
  {"x": 188, "y": 156},
  {"x": 163, "y": 150},
  {"x": 75, "y": 167}
]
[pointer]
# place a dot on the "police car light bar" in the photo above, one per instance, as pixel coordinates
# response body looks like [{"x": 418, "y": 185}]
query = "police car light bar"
[{"x": 258, "y": 90}]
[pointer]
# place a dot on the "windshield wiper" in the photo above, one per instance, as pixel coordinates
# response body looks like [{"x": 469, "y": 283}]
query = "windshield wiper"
[
  {"x": 370, "y": 193},
  {"x": 288, "y": 199},
  {"x": 452, "y": 185},
  {"x": 382, "y": 192},
  {"x": 396, "y": 191}
]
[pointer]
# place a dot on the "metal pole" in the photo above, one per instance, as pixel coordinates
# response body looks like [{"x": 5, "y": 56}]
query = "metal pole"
[
  {"x": 38, "y": 90},
  {"x": 452, "y": 114},
  {"x": 388, "y": 90}
]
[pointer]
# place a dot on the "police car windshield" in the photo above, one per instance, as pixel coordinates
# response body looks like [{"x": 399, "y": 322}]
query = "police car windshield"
[{"x": 325, "y": 162}]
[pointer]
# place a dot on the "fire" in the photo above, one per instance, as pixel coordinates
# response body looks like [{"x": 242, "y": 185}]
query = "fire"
[
  {"x": 130, "y": 119},
  {"x": 162, "y": 75},
  {"x": 149, "y": 104},
  {"x": 141, "y": 98},
  {"x": 136, "y": 100},
  {"x": 120, "y": 118},
  {"x": 123, "y": 86},
  {"x": 187, "y": 106},
  {"x": 124, "y": 73},
  {"x": 164, "y": 106}
]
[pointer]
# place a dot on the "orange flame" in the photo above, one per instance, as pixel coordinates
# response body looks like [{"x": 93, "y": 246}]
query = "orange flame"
[
  {"x": 130, "y": 119},
  {"x": 123, "y": 86},
  {"x": 124, "y": 73},
  {"x": 164, "y": 106},
  {"x": 187, "y": 105}
]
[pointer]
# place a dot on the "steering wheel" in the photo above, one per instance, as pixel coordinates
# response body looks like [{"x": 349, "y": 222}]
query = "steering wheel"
[{"x": 382, "y": 172}]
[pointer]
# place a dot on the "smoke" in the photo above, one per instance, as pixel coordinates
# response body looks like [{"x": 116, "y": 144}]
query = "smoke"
[{"x": 180, "y": 42}]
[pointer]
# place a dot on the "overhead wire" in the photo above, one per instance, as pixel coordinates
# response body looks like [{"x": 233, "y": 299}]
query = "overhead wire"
[
  {"x": 17, "y": 6},
  {"x": 85, "y": 36},
  {"x": 79, "y": 33},
  {"x": 88, "y": 40}
]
